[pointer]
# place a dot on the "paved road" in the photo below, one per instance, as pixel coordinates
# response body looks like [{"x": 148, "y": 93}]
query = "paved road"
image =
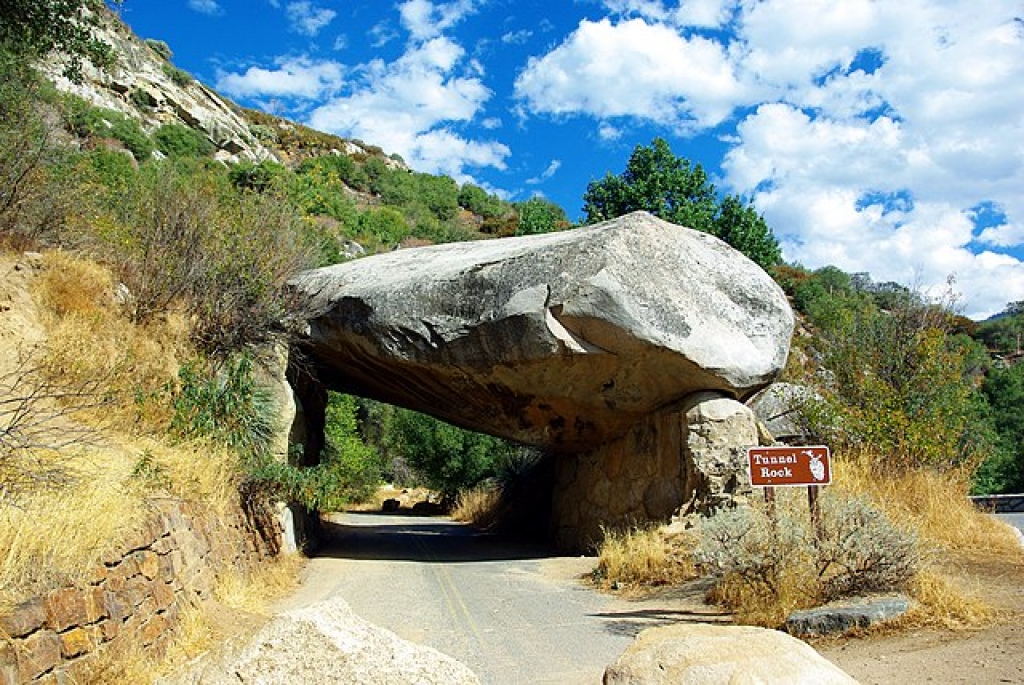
[
  {"x": 1016, "y": 520},
  {"x": 512, "y": 613}
]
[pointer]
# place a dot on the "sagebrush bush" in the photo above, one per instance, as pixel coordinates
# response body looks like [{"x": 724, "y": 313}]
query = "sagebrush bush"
[
  {"x": 771, "y": 563},
  {"x": 181, "y": 238}
]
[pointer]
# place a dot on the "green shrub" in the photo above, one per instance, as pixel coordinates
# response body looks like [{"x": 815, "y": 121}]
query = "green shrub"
[
  {"x": 538, "y": 215},
  {"x": 222, "y": 402},
  {"x": 386, "y": 225},
  {"x": 32, "y": 206},
  {"x": 176, "y": 140},
  {"x": 179, "y": 77},
  {"x": 141, "y": 98},
  {"x": 477, "y": 200},
  {"x": 111, "y": 168},
  {"x": 96, "y": 122},
  {"x": 447, "y": 458},
  {"x": 183, "y": 237},
  {"x": 160, "y": 47},
  {"x": 349, "y": 470},
  {"x": 259, "y": 177}
]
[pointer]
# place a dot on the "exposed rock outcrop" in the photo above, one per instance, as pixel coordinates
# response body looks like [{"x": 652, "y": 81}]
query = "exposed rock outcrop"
[
  {"x": 326, "y": 643},
  {"x": 704, "y": 654},
  {"x": 144, "y": 86},
  {"x": 562, "y": 340}
]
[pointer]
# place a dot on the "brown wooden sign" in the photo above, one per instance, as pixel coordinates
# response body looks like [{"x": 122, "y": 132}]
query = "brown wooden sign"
[{"x": 783, "y": 466}]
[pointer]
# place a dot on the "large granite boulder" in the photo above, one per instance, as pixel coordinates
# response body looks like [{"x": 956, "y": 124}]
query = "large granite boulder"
[
  {"x": 703, "y": 654},
  {"x": 562, "y": 340}
]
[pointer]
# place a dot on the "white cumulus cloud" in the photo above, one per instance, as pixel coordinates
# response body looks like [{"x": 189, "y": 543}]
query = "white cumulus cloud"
[
  {"x": 210, "y": 7},
  {"x": 306, "y": 18},
  {"x": 425, "y": 19},
  {"x": 869, "y": 132},
  {"x": 552, "y": 169},
  {"x": 292, "y": 77},
  {"x": 634, "y": 69},
  {"x": 413, "y": 105}
]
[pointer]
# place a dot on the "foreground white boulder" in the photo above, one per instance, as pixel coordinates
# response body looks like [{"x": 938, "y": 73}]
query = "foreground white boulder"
[
  {"x": 702, "y": 654},
  {"x": 327, "y": 643}
]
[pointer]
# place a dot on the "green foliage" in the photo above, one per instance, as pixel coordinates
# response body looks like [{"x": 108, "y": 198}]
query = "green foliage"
[
  {"x": 448, "y": 459},
  {"x": 1004, "y": 391},
  {"x": 439, "y": 194},
  {"x": 32, "y": 206},
  {"x": 1004, "y": 334},
  {"x": 739, "y": 224},
  {"x": 88, "y": 121},
  {"x": 111, "y": 168},
  {"x": 386, "y": 225},
  {"x": 160, "y": 47},
  {"x": 181, "y": 236},
  {"x": 259, "y": 176},
  {"x": 34, "y": 28},
  {"x": 179, "y": 77},
  {"x": 222, "y": 402},
  {"x": 670, "y": 187},
  {"x": 899, "y": 386},
  {"x": 176, "y": 140},
  {"x": 538, "y": 215},
  {"x": 477, "y": 200},
  {"x": 349, "y": 470}
]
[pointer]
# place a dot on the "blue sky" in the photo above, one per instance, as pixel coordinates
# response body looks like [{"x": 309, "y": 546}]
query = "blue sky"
[{"x": 884, "y": 136}]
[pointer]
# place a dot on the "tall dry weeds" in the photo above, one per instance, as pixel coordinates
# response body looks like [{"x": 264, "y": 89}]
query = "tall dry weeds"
[{"x": 644, "y": 557}]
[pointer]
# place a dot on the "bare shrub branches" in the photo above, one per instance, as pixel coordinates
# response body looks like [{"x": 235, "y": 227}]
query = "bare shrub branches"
[{"x": 36, "y": 430}]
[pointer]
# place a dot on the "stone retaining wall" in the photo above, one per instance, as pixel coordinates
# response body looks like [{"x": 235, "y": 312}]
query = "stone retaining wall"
[{"x": 133, "y": 599}]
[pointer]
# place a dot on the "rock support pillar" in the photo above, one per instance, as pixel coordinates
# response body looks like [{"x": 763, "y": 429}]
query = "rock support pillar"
[
  {"x": 718, "y": 432},
  {"x": 686, "y": 460},
  {"x": 637, "y": 478}
]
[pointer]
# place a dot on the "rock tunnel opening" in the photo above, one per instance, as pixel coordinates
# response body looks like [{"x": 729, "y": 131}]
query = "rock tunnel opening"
[{"x": 520, "y": 476}]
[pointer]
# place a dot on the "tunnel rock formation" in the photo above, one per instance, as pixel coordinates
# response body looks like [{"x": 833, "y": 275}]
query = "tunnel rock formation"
[{"x": 569, "y": 341}]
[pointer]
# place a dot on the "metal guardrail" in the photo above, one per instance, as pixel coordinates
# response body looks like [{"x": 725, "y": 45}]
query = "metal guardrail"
[{"x": 1000, "y": 504}]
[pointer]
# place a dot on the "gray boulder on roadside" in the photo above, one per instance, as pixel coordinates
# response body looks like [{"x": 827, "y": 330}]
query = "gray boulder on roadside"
[
  {"x": 326, "y": 643},
  {"x": 703, "y": 654},
  {"x": 782, "y": 408},
  {"x": 561, "y": 340}
]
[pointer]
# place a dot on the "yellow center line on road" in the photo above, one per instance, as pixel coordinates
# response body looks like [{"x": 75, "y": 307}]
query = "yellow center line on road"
[{"x": 453, "y": 598}]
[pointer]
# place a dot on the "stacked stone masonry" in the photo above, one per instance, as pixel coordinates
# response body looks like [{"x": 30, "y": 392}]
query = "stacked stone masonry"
[{"x": 132, "y": 600}]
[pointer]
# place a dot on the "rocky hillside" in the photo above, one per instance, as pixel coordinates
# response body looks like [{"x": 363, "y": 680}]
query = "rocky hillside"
[{"x": 145, "y": 86}]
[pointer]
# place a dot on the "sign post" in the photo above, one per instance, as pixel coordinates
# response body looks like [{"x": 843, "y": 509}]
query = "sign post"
[{"x": 790, "y": 466}]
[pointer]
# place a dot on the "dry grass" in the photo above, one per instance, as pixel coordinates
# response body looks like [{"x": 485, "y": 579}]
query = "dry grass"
[
  {"x": 751, "y": 605},
  {"x": 480, "y": 507},
  {"x": 932, "y": 503},
  {"x": 91, "y": 339},
  {"x": 644, "y": 557},
  {"x": 946, "y": 603},
  {"x": 58, "y": 535},
  {"x": 256, "y": 590}
]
